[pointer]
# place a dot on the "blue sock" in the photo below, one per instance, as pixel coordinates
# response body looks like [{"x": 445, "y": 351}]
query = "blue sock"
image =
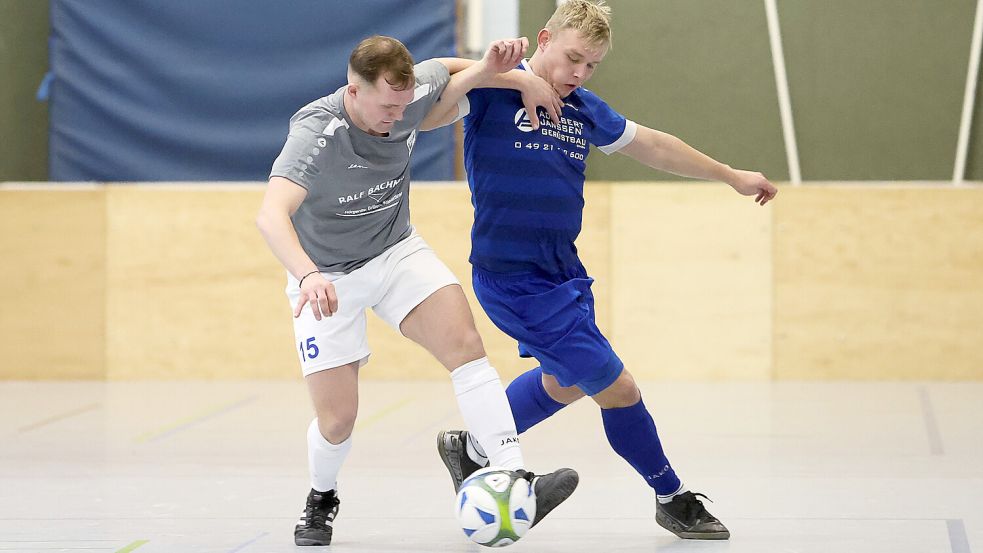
[
  {"x": 529, "y": 400},
  {"x": 631, "y": 433}
]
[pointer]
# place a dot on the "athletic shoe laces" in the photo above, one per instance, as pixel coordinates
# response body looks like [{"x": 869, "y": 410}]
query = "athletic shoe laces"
[
  {"x": 692, "y": 507},
  {"x": 319, "y": 508}
]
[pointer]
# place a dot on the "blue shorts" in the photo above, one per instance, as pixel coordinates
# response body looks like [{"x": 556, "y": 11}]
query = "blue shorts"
[{"x": 552, "y": 318}]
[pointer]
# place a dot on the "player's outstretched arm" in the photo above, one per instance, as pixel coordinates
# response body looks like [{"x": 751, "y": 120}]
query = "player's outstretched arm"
[
  {"x": 501, "y": 56},
  {"x": 536, "y": 92},
  {"x": 665, "y": 152},
  {"x": 280, "y": 202}
]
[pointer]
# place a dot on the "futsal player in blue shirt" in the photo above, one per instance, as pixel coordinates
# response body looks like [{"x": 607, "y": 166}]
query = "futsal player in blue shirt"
[{"x": 527, "y": 190}]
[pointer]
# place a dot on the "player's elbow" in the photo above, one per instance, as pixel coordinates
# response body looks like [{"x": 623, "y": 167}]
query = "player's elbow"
[{"x": 265, "y": 221}]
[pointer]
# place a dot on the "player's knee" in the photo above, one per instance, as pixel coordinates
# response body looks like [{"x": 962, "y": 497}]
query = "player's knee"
[
  {"x": 336, "y": 428},
  {"x": 623, "y": 392},
  {"x": 467, "y": 341},
  {"x": 565, "y": 395}
]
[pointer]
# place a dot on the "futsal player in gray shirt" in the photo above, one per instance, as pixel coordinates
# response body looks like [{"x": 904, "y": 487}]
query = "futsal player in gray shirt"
[{"x": 336, "y": 214}]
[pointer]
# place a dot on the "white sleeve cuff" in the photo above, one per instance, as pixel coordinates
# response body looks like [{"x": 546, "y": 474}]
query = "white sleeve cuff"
[
  {"x": 624, "y": 140},
  {"x": 463, "y": 108}
]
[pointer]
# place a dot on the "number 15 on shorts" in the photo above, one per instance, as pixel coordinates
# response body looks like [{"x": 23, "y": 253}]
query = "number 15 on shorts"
[{"x": 308, "y": 349}]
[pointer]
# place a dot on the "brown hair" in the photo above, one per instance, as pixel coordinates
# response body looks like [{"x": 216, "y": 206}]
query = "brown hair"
[
  {"x": 386, "y": 56},
  {"x": 591, "y": 19}
]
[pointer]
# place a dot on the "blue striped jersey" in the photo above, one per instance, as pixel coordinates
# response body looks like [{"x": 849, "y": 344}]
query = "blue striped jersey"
[{"x": 527, "y": 187}]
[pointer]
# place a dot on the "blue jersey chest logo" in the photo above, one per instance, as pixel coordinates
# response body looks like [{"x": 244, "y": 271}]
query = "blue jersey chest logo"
[
  {"x": 522, "y": 120},
  {"x": 570, "y": 133},
  {"x": 568, "y": 140}
]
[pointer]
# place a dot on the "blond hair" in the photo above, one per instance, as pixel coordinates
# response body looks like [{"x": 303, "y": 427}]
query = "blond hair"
[
  {"x": 591, "y": 19},
  {"x": 386, "y": 56}
]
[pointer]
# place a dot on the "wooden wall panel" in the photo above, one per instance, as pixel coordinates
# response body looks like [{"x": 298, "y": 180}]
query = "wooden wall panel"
[
  {"x": 52, "y": 313},
  {"x": 879, "y": 282},
  {"x": 193, "y": 291},
  {"x": 692, "y": 282}
]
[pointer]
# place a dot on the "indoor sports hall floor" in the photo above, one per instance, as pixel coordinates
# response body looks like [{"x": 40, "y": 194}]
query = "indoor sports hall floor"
[{"x": 221, "y": 468}]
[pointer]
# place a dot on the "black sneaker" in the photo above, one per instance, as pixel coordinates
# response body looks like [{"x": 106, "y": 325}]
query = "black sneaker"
[
  {"x": 452, "y": 447},
  {"x": 316, "y": 524},
  {"x": 686, "y": 517},
  {"x": 551, "y": 489}
]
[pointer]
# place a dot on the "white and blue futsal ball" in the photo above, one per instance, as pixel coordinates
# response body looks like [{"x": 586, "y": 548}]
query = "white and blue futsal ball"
[{"x": 495, "y": 507}]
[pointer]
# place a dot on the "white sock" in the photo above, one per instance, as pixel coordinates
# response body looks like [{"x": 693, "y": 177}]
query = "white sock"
[
  {"x": 668, "y": 498},
  {"x": 486, "y": 411},
  {"x": 324, "y": 459}
]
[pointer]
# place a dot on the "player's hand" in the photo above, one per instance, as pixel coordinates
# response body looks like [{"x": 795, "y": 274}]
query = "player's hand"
[
  {"x": 749, "y": 183},
  {"x": 504, "y": 55},
  {"x": 319, "y": 292},
  {"x": 537, "y": 92}
]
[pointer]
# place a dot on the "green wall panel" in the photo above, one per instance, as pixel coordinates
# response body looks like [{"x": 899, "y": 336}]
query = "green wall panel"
[
  {"x": 974, "y": 159},
  {"x": 877, "y": 86},
  {"x": 532, "y": 17},
  {"x": 23, "y": 63}
]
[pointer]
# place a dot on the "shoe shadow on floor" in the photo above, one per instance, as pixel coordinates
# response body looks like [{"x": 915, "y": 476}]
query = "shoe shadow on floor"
[{"x": 672, "y": 544}]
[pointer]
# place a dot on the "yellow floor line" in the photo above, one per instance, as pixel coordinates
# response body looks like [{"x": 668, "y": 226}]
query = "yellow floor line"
[
  {"x": 131, "y": 546},
  {"x": 152, "y": 434}
]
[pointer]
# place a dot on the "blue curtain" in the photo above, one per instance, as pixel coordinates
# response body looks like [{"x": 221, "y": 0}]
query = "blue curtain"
[{"x": 151, "y": 90}]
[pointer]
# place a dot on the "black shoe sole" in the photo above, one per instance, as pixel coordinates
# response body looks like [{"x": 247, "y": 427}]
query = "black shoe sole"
[
  {"x": 676, "y": 528},
  {"x": 312, "y": 541},
  {"x": 445, "y": 457},
  {"x": 558, "y": 495}
]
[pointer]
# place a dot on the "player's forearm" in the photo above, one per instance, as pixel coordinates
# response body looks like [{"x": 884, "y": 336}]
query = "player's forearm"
[
  {"x": 280, "y": 236},
  {"x": 473, "y": 76},
  {"x": 666, "y": 152},
  {"x": 512, "y": 80},
  {"x": 445, "y": 110},
  {"x": 682, "y": 159},
  {"x": 456, "y": 65}
]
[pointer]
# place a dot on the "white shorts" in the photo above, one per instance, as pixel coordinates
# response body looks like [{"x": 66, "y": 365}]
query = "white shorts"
[{"x": 392, "y": 284}]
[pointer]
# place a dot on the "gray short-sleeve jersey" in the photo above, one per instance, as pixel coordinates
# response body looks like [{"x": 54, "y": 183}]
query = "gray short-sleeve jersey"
[{"x": 357, "y": 203}]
